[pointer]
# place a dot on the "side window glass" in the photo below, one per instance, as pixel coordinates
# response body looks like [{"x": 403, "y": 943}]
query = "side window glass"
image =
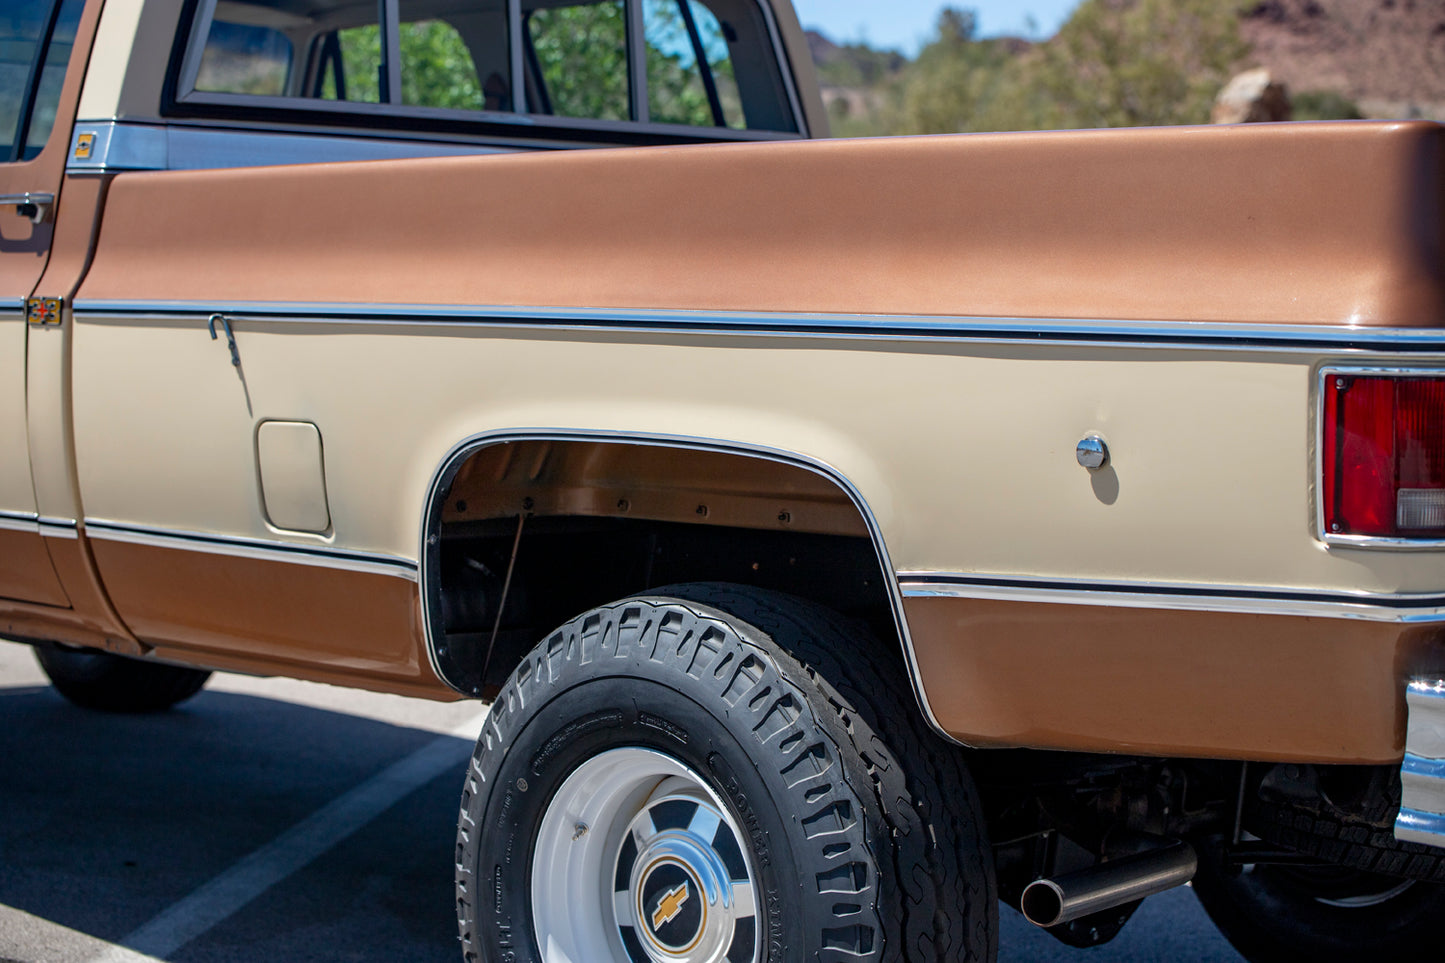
[
  {"x": 690, "y": 77},
  {"x": 437, "y": 69},
  {"x": 350, "y": 66},
  {"x": 245, "y": 59},
  {"x": 36, "y": 38},
  {"x": 578, "y": 60}
]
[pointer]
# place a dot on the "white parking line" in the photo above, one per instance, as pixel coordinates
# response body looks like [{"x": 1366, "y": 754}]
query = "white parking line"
[{"x": 294, "y": 849}]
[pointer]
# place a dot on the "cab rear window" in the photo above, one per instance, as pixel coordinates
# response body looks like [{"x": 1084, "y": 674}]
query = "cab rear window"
[{"x": 699, "y": 64}]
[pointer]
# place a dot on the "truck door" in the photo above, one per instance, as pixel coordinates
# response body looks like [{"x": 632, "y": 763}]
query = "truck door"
[{"x": 36, "y": 40}]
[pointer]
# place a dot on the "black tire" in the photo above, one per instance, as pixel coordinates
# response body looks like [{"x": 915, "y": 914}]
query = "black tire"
[
  {"x": 787, "y": 712},
  {"x": 114, "y": 683},
  {"x": 1321, "y": 914},
  {"x": 1358, "y": 833}
]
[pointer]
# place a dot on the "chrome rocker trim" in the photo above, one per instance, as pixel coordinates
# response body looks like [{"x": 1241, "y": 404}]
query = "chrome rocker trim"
[
  {"x": 27, "y": 522},
  {"x": 254, "y": 548},
  {"x": 1249, "y": 600}
]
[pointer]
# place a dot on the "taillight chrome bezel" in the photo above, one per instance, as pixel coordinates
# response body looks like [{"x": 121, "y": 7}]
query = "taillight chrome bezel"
[{"x": 1322, "y": 384}]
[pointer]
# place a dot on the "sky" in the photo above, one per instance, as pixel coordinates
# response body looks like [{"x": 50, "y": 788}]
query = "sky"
[{"x": 906, "y": 24}]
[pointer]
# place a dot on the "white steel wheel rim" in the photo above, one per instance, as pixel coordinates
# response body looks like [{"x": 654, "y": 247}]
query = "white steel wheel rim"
[{"x": 636, "y": 854}]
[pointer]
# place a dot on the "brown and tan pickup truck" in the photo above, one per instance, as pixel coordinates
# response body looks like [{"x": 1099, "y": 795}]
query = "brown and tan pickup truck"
[{"x": 848, "y": 536}]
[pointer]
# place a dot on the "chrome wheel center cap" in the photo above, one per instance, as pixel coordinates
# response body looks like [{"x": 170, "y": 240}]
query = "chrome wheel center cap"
[
  {"x": 685, "y": 885},
  {"x": 639, "y": 860},
  {"x": 672, "y": 905}
]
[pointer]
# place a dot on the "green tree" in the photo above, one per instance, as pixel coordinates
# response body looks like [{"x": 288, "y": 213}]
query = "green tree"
[
  {"x": 1324, "y": 105},
  {"x": 436, "y": 67},
  {"x": 954, "y": 80},
  {"x": 1115, "y": 63},
  {"x": 361, "y": 63},
  {"x": 675, "y": 90},
  {"x": 859, "y": 65},
  {"x": 1133, "y": 63},
  {"x": 582, "y": 51}
]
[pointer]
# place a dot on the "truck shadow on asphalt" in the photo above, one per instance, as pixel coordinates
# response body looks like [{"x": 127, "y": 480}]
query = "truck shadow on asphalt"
[{"x": 108, "y": 820}]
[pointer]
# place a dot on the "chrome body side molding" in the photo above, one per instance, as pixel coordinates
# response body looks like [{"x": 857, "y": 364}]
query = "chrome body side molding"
[
  {"x": 1215, "y": 336},
  {"x": 56, "y": 527},
  {"x": 1245, "y": 600},
  {"x": 261, "y": 549},
  {"x": 20, "y": 522},
  {"x": 1422, "y": 774}
]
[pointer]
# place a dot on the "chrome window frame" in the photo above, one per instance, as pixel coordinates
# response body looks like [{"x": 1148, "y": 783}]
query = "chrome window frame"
[
  {"x": 183, "y": 99},
  {"x": 1334, "y": 539}
]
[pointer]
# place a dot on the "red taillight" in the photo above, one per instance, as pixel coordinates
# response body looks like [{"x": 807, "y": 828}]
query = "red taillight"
[{"x": 1384, "y": 456}]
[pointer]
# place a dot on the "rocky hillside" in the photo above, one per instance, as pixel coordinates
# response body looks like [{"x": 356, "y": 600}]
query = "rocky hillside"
[
  {"x": 1388, "y": 56},
  {"x": 1337, "y": 58}
]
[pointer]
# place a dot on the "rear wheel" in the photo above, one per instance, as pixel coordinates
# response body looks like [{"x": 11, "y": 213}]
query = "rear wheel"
[
  {"x": 114, "y": 683},
  {"x": 1325, "y": 914},
  {"x": 714, "y": 773}
]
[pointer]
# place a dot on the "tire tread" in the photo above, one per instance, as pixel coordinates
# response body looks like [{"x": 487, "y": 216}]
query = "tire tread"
[{"x": 916, "y": 783}]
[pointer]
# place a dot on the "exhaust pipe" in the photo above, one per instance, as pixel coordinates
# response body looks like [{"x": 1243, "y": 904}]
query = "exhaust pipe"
[{"x": 1051, "y": 902}]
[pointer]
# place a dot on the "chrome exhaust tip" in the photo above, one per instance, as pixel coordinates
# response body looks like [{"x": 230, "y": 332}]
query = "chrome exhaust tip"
[{"x": 1053, "y": 902}]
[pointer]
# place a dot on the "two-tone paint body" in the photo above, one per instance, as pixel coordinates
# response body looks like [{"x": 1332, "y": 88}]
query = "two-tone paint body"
[{"x": 929, "y": 325}]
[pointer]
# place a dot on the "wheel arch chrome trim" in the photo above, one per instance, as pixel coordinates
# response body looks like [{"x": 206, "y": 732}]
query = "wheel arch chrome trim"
[{"x": 472, "y": 445}]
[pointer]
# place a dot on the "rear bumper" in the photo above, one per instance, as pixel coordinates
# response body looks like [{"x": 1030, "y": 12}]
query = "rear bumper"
[{"x": 1422, "y": 774}]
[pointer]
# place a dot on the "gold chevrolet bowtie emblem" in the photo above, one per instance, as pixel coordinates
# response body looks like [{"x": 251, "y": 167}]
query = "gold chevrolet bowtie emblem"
[
  {"x": 43, "y": 311},
  {"x": 669, "y": 906}
]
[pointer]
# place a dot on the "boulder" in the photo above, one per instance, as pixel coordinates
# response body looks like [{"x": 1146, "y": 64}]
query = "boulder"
[{"x": 1251, "y": 97}]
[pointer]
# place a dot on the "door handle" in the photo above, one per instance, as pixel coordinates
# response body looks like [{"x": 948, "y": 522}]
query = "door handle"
[{"x": 37, "y": 207}]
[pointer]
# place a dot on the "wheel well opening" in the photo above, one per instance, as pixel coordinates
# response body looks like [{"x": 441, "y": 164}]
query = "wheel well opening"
[{"x": 527, "y": 534}]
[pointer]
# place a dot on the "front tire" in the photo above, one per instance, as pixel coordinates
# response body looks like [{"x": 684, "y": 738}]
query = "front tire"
[
  {"x": 114, "y": 683},
  {"x": 724, "y": 774}
]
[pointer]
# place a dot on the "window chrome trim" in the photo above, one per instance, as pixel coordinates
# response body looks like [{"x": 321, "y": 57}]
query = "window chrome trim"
[
  {"x": 195, "y": 47},
  {"x": 1213, "y": 336},
  {"x": 1332, "y": 540},
  {"x": 466, "y": 448},
  {"x": 254, "y": 548},
  {"x": 121, "y": 146},
  {"x": 285, "y": 110},
  {"x": 1236, "y": 599}
]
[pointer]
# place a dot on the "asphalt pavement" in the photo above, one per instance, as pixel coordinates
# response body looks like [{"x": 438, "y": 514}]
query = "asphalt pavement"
[{"x": 275, "y": 820}]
